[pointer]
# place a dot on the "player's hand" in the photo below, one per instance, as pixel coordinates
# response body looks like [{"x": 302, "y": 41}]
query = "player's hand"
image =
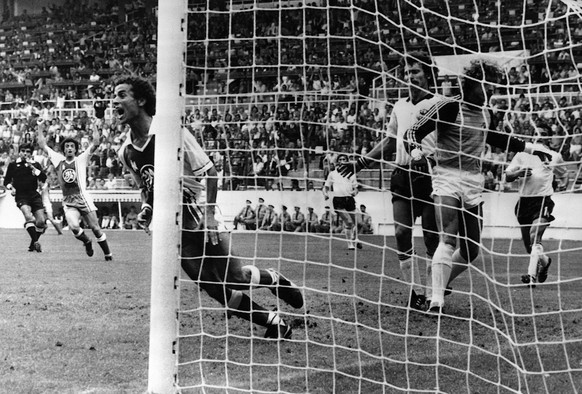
[
  {"x": 418, "y": 162},
  {"x": 211, "y": 233},
  {"x": 525, "y": 172},
  {"x": 144, "y": 218}
]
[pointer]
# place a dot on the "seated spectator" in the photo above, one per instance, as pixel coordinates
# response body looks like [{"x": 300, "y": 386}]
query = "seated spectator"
[
  {"x": 271, "y": 220},
  {"x": 246, "y": 217},
  {"x": 108, "y": 220},
  {"x": 111, "y": 182},
  {"x": 364, "y": 221},
  {"x": 284, "y": 219},
  {"x": 130, "y": 219},
  {"x": 260, "y": 212},
  {"x": 311, "y": 221},
  {"x": 297, "y": 222}
]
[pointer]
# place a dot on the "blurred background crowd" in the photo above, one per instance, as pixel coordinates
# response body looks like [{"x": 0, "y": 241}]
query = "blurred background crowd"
[{"x": 275, "y": 94}]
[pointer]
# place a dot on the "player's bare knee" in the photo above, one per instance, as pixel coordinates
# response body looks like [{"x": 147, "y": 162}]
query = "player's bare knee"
[{"x": 403, "y": 234}]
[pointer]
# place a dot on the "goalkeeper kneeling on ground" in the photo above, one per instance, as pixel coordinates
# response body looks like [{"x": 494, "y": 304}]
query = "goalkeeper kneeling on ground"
[{"x": 207, "y": 257}]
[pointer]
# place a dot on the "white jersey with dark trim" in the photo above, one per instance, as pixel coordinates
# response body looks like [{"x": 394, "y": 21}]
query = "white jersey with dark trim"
[
  {"x": 72, "y": 175},
  {"x": 404, "y": 115},
  {"x": 341, "y": 186},
  {"x": 539, "y": 183}
]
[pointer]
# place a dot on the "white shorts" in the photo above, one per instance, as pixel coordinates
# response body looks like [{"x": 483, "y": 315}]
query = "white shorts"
[{"x": 465, "y": 186}]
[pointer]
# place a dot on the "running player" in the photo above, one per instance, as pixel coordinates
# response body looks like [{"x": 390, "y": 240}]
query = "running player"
[
  {"x": 535, "y": 206},
  {"x": 22, "y": 178},
  {"x": 344, "y": 188},
  {"x": 77, "y": 203}
]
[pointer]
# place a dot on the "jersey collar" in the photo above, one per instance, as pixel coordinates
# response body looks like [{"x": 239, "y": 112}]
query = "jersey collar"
[{"x": 427, "y": 97}]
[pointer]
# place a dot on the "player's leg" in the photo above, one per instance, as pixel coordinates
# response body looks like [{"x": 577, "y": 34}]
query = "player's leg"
[
  {"x": 93, "y": 222},
  {"x": 431, "y": 242},
  {"x": 223, "y": 278},
  {"x": 403, "y": 223},
  {"x": 470, "y": 226},
  {"x": 524, "y": 223},
  {"x": 349, "y": 227},
  {"x": 56, "y": 224},
  {"x": 29, "y": 225},
  {"x": 73, "y": 216},
  {"x": 538, "y": 212},
  {"x": 447, "y": 219},
  {"x": 37, "y": 208},
  {"x": 539, "y": 261}
]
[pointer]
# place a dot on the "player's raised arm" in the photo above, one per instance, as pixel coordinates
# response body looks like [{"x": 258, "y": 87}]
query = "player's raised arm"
[{"x": 41, "y": 139}]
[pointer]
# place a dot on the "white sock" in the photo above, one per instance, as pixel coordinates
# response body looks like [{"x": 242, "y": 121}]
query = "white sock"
[
  {"x": 460, "y": 265},
  {"x": 441, "y": 271},
  {"x": 537, "y": 253},
  {"x": 428, "y": 271}
]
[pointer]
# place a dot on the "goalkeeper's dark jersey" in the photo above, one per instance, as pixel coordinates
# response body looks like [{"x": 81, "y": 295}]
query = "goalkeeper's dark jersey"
[
  {"x": 140, "y": 162},
  {"x": 20, "y": 173}
]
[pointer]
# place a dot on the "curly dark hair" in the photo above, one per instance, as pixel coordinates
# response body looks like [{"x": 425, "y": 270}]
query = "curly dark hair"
[
  {"x": 482, "y": 71},
  {"x": 142, "y": 89},
  {"x": 69, "y": 139}
]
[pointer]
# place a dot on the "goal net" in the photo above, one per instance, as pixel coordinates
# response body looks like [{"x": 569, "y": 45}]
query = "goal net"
[{"x": 274, "y": 91}]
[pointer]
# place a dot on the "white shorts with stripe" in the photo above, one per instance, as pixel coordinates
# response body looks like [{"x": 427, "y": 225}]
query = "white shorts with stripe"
[{"x": 465, "y": 186}]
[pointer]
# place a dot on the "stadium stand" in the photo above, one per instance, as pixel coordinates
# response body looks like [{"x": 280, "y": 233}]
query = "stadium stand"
[{"x": 57, "y": 64}]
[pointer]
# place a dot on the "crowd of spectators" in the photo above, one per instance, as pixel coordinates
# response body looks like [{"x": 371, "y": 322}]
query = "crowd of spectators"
[{"x": 290, "y": 115}]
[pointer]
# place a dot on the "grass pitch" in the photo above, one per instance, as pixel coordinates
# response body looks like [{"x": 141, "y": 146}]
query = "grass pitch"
[{"x": 74, "y": 324}]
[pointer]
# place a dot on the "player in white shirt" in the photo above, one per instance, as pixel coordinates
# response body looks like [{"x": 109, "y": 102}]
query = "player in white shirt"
[
  {"x": 410, "y": 183},
  {"x": 535, "y": 206},
  {"x": 344, "y": 189}
]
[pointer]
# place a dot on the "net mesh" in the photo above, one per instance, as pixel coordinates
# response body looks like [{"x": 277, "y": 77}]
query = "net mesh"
[{"x": 276, "y": 90}]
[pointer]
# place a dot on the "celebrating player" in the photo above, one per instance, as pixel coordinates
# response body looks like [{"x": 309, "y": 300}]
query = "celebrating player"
[
  {"x": 77, "y": 203},
  {"x": 463, "y": 127},
  {"x": 535, "y": 206},
  {"x": 344, "y": 189},
  {"x": 22, "y": 178},
  {"x": 410, "y": 184},
  {"x": 206, "y": 257}
]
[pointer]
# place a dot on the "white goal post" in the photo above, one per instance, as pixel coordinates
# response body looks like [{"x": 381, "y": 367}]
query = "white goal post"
[
  {"x": 278, "y": 79},
  {"x": 166, "y": 219}
]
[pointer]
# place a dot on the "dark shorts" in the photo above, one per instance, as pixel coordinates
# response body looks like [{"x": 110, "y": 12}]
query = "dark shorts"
[
  {"x": 344, "y": 204},
  {"x": 529, "y": 209},
  {"x": 34, "y": 202},
  {"x": 408, "y": 186}
]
